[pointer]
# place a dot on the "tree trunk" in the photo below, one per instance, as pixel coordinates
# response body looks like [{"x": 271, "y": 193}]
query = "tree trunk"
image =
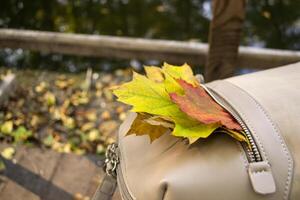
[{"x": 224, "y": 37}]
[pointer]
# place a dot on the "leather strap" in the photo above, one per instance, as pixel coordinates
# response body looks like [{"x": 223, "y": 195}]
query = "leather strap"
[{"x": 107, "y": 188}]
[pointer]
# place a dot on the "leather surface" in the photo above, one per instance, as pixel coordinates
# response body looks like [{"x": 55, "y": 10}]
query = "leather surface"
[
  {"x": 278, "y": 92},
  {"x": 106, "y": 189},
  {"x": 266, "y": 133},
  {"x": 215, "y": 168}
]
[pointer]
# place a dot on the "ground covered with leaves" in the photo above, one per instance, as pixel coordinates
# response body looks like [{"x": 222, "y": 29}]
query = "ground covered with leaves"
[{"x": 68, "y": 113}]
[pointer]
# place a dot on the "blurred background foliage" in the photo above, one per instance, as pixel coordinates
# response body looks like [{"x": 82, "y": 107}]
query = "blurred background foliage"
[
  {"x": 77, "y": 112},
  {"x": 269, "y": 23}
]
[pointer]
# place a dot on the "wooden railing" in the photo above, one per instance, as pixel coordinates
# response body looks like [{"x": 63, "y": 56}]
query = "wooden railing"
[{"x": 136, "y": 48}]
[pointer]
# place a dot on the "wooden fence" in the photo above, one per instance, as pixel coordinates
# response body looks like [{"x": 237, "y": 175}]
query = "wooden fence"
[{"x": 136, "y": 48}]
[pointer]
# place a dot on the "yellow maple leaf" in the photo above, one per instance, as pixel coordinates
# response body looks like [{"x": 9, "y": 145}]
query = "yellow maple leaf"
[
  {"x": 151, "y": 97},
  {"x": 141, "y": 127},
  {"x": 183, "y": 72},
  {"x": 151, "y": 94},
  {"x": 154, "y": 73}
]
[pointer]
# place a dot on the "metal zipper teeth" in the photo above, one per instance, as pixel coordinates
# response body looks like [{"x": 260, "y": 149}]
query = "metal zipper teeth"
[
  {"x": 122, "y": 185},
  {"x": 252, "y": 152}
]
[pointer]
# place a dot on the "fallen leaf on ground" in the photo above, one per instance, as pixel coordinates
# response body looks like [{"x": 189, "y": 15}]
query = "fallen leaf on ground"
[
  {"x": 21, "y": 134},
  {"x": 91, "y": 115},
  {"x": 48, "y": 141},
  {"x": 68, "y": 122},
  {"x": 41, "y": 87},
  {"x": 8, "y": 153},
  {"x": 105, "y": 115},
  {"x": 7, "y": 127},
  {"x": 50, "y": 98},
  {"x": 100, "y": 149},
  {"x": 93, "y": 135},
  {"x": 87, "y": 126},
  {"x": 108, "y": 127}
]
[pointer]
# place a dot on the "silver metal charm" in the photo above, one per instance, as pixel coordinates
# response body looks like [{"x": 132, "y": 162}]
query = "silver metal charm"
[{"x": 112, "y": 160}]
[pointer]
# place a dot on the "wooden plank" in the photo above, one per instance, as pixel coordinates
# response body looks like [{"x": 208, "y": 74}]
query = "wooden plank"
[
  {"x": 75, "y": 174},
  {"x": 14, "y": 191},
  {"x": 36, "y": 174},
  {"x": 224, "y": 38},
  {"x": 6, "y": 184},
  {"x": 15, "y": 177},
  {"x": 29, "y": 175},
  {"x": 136, "y": 48},
  {"x": 95, "y": 181},
  {"x": 103, "y": 46}
]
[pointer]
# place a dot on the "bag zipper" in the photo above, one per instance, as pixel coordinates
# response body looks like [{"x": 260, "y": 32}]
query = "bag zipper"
[
  {"x": 252, "y": 151},
  {"x": 259, "y": 169}
]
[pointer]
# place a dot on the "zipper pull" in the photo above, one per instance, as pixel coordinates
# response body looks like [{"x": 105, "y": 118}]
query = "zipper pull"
[{"x": 261, "y": 177}]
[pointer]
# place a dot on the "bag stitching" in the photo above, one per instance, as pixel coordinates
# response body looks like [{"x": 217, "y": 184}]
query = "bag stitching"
[
  {"x": 284, "y": 149},
  {"x": 290, "y": 163},
  {"x": 125, "y": 167}
]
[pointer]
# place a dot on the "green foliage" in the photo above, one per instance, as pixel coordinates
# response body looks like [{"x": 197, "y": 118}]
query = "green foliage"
[
  {"x": 270, "y": 23},
  {"x": 275, "y": 23}
]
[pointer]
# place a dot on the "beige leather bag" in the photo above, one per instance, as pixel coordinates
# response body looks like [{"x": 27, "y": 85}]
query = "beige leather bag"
[{"x": 267, "y": 105}]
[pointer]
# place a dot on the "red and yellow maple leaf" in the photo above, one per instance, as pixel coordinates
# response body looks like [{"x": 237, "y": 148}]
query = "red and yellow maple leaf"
[{"x": 197, "y": 104}]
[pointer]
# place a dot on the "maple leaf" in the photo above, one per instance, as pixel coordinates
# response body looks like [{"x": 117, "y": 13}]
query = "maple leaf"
[
  {"x": 163, "y": 76},
  {"x": 146, "y": 96},
  {"x": 197, "y": 104},
  {"x": 238, "y": 135},
  {"x": 154, "y": 73},
  {"x": 168, "y": 96},
  {"x": 192, "y": 129},
  {"x": 169, "y": 74},
  {"x": 151, "y": 97},
  {"x": 159, "y": 121},
  {"x": 183, "y": 72},
  {"x": 141, "y": 127}
]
